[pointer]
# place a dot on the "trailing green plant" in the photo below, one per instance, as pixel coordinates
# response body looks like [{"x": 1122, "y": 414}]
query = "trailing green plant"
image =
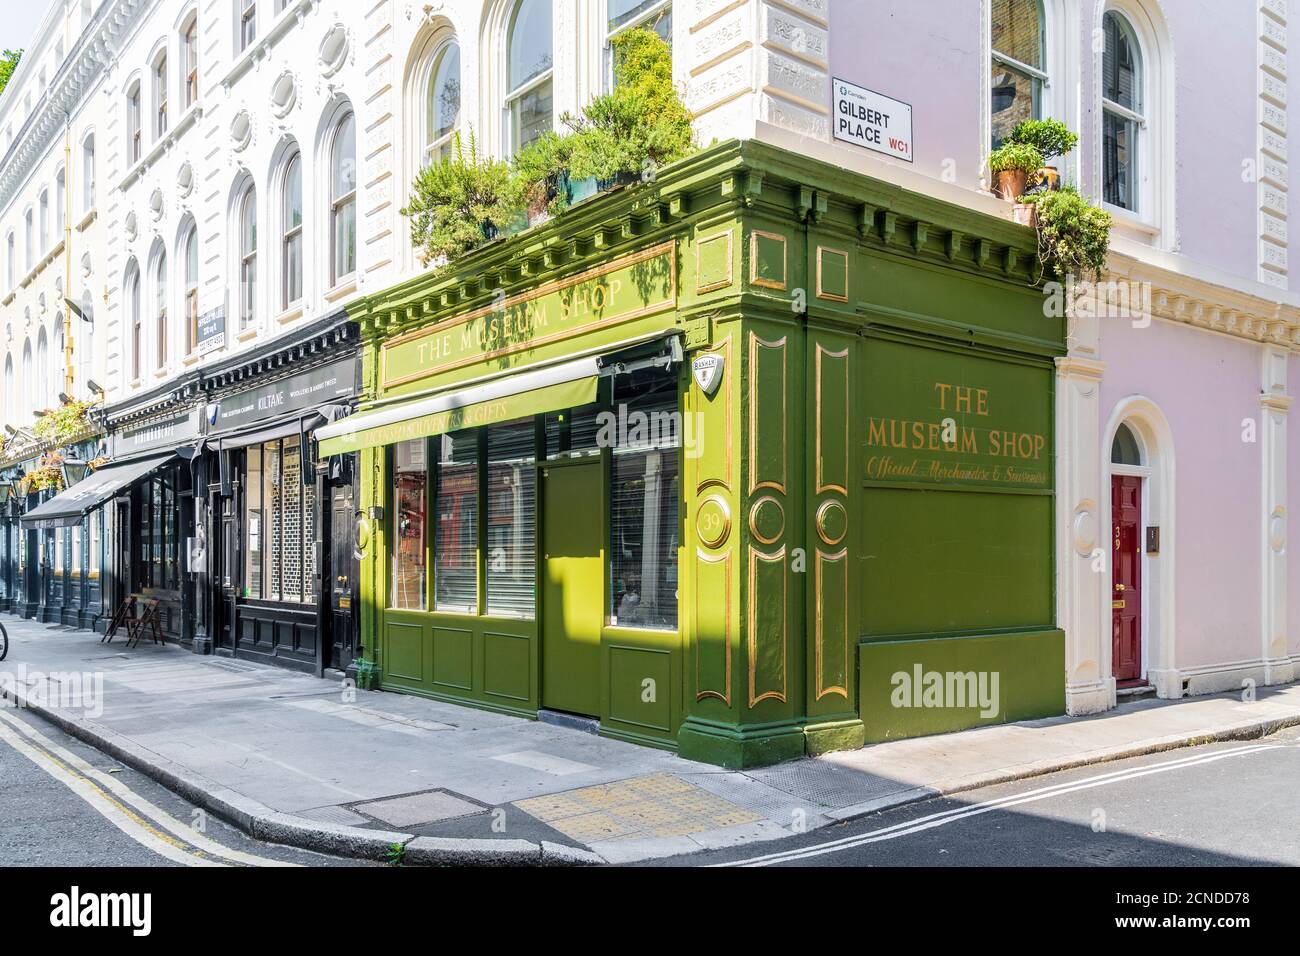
[
  {"x": 1073, "y": 234},
  {"x": 48, "y": 474},
  {"x": 460, "y": 203},
  {"x": 62, "y": 424},
  {"x": 1050, "y": 137},
  {"x": 1015, "y": 156}
]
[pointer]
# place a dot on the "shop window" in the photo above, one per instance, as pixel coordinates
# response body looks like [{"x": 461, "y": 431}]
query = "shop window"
[
  {"x": 279, "y": 524},
  {"x": 411, "y": 496},
  {"x": 644, "y": 497},
  {"x": 455, "y": 574},
  {"x": 511, "y": 557},
  {"x": 158, "y": 514},
  {"x": 1019, "y": 65}
]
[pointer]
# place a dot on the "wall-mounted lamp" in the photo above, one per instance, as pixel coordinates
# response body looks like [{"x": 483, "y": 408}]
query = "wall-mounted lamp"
[
  {"x": 74, "y": 470},
  {"x": 65, "y": 398},
  {"x": 94, "y": 386}
]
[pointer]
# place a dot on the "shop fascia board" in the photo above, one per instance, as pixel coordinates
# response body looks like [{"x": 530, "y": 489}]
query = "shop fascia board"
[
  {"x": 179, "y": 392},
  {"x": 738, "y": 178}
]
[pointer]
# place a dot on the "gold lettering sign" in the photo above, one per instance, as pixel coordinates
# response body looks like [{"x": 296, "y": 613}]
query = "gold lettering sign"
[{"x": 621, "y": 290}]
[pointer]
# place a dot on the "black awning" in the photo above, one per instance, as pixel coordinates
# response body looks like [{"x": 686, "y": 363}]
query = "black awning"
[{"x": 69, "y": 507}]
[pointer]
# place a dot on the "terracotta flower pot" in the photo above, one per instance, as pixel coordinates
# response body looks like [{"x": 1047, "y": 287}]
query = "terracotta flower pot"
[
  {"x": 1025, "y": 214},
  {"x": 1009, "y": 184}
]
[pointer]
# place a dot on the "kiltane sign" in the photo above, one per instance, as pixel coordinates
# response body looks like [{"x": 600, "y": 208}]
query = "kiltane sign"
[
  {"x": 935, "y": 417},
  {"x": 623, "y": 289},
  {"x": 867, "y": 118}
]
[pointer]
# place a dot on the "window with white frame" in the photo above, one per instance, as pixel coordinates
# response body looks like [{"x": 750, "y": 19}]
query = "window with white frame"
[
  {"x": 134, "y": 146},
  {"x": 1019, "y": 67},
  {"x": 190, "y": 61},
  {"x": 11, "y": 262},
  {"x": 443, "y": 102},
  {"x": 88, "y": 173},
  {"x": 247, "y": 23},
  {"x": 29, "y": 235},
  {"x": 160, "y": 311},
  {"x": 41, "y": 387},
  {"x": 135, "y": 317},
  {"x": 291, "y": 233},
  {"x": 29, "y": 392},
  {"x": 1122, "y": 112},
  {"x": 621, "y": 15},
  {"x": 60, "y": 202},
  {"x": 190, "y": 246},
  {"x": 248, "y": 257},
  {"x": 343, "y": 199},
  {"x": 529, "y": 73},
  {"x": 43, "y": 205},
  {"x": 11, "y": 390},
  {"x": 160, "y": 96}
]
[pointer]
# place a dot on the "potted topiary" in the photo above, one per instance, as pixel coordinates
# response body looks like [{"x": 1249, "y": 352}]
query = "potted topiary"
[
  {"x": 542, "y": 171},
  {"x": 1011, "y": 164},
  {"x": 460, "y": 203},
  {"x": 1050, "y": 137},
  {"x": 1073, "y": 234}
]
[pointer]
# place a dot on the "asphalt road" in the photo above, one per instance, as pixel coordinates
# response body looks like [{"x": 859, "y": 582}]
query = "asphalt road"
[
  {"x": 63, "y": 803},
  {"x": 1224, "y": 804}
]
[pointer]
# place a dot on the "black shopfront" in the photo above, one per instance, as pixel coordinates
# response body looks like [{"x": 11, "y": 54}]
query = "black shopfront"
[{"x": 281, "y": 566}]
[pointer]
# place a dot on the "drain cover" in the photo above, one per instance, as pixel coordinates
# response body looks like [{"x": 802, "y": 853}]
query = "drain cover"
[{"x": 417, "y": 808}]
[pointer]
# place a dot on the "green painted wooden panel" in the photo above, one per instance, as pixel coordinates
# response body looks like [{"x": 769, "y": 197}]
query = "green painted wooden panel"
[
  {"x": 640, "y": 687},
  {"x": 768, "y": 627},
  {"x": 930, "y": 686},
  {"x": 507, "y": 667},
  {"x": 936, "y": 561},
  {"x": 404, "y": 651},
  {"x": 453, "y": 657}
]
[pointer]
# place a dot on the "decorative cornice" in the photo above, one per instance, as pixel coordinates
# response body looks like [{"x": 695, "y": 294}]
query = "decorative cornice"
[{"x": 99, "y": 45}]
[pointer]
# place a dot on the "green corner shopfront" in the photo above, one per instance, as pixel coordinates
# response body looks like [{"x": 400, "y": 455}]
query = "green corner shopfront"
[{"x": 752, "y": 461}]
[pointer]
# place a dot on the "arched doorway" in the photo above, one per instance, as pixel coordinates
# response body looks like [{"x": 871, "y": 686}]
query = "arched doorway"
[{"x": 1140, "y": 510}]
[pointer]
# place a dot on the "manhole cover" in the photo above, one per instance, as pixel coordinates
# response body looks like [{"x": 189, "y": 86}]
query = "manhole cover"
[{"x": 417, "y": 808}]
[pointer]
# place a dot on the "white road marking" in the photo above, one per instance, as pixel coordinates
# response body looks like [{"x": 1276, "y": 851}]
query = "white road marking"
[
  {"x": 975, "y": 809},
  {"x": 137, "y": 817}
]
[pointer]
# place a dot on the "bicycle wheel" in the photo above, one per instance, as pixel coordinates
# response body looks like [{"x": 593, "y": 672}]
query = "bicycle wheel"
[{"x": 4, "y": 642}]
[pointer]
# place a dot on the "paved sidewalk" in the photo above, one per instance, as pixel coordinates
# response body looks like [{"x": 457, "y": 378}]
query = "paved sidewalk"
[{"x": 294, "y": 759}]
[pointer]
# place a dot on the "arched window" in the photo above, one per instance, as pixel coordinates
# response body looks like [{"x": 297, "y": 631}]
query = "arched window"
[
  {"x": 620, "y": 15},
  {"x": 291, "y": 232},
  {"x": 11, "y": 391},
  {"x": 11, "y": 261},
  {"x": 134, "y": 146},
  {"x": 1019, "y": 68},
  {"x": 443, "y": 112},
  {"x": 1125, "y": 450},
  {"x": 160, "y": 95},
  {"x": 248, "y": 258},
  {"x": 88, "y": 174},
  {"x": 190, "y": 61},
  {"x": 343, "y": 198},
  {"x": 247, "y": 11},
  {"x": 1122, "y": 116},
  {"x": 135, "y": 318},
  {"x": 160, "y": 310},
  {"x": 29, "y": 391},
  {"x": 60, "y": 203},
  {"x": 86, "y": 342},
  {"x": 59, "y": 365},
  {"x": 41, "y": 385},
  {"x": 43, "y": 205},
  {"x": 190, "y": 247},
  {"x": 528, "y": 72},
  {"x": 29, "y": 235}
]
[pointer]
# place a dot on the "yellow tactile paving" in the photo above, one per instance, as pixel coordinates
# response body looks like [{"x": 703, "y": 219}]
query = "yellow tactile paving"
[{"x": 659, "y": 805}]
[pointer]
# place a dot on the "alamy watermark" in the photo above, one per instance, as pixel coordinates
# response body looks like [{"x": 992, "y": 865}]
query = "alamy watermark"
[
  {"x": 947, "y": 690},
  {"x": 62, "y": 690},
  {"x": 1114, "y": 299},
  {"x": 632, "y": 428}
]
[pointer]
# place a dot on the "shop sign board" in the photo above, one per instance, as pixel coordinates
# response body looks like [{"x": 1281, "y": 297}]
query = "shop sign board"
[
  {"x": 623, "y": 289},
  {"x": 326, "y": 383},
  {"x": 167, "y": 433},
  {"x": 946, "y": 418}
]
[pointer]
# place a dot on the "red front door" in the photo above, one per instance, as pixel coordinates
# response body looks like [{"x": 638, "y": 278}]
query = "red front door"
[{"x": 1126, "y": 577}]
